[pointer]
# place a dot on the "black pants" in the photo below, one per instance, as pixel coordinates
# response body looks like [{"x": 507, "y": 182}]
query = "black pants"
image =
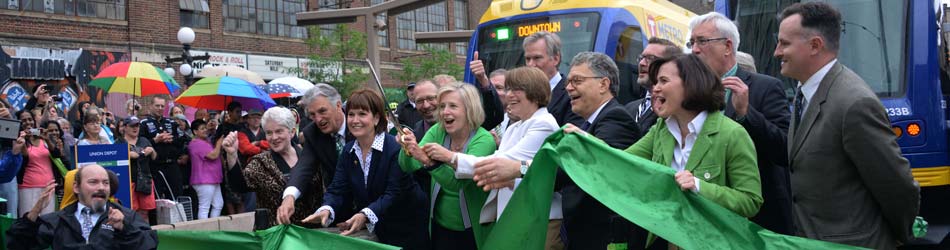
[
  {"x": 444, "y": 238},
  {"x": 168, "y": 187}
]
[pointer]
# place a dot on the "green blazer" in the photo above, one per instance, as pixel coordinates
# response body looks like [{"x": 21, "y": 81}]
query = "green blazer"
[
  {"x": 723, "y": 159},
  {"x": 482, "y": 144}
]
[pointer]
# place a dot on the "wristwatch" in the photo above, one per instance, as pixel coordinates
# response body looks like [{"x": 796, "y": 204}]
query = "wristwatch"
[{"x": 524, "y": 168}]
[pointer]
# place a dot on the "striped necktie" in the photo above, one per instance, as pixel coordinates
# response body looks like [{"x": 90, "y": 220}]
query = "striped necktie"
[
  {"x": 645, "y": 106},
  {"x": 799, "y": 106}
]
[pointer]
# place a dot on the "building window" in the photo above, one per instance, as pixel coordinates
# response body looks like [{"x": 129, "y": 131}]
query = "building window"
[
  {"x": 382, "y": 35},
  {"x": 240, "y": 16},
  {"x": 107, "y": 9},
  {"x": 287, "y": 18},
  {"x": 265, "y": 17},
  {"x": 194, "y": 13},
  {"x": 461, "y": 23},
  {"x": 327, "y": 29},
  {"x": 430, "y": 18}
]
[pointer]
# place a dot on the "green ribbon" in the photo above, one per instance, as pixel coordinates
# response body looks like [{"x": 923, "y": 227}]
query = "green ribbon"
[
  {"x": 637, "y": 189},
  {"x": 275, "y": 238}
]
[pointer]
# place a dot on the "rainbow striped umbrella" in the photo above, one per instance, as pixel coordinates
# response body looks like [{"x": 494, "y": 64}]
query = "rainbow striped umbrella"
[
  {"x": 215, "y": 93},
  {"x": 135, "y": 78}
]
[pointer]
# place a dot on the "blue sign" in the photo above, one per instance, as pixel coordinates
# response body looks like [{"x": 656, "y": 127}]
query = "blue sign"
[
  {"x": 16, "y": 95},
  {"x": 113, "y": 157}
]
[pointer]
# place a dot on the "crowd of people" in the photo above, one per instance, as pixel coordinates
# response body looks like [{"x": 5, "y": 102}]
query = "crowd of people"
[{"x": 825, "y": 166}]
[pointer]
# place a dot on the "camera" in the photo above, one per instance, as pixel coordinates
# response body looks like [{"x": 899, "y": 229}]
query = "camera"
[
  {"x": 35, "y": 131},
  {"x": 48, "y": 88},
  {"x": 57, "y": 98},
  {"x": 136, "y": 107}
]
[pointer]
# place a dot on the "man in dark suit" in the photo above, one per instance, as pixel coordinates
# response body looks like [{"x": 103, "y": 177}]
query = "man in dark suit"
[
  {"x": 426, "y": 96},
  {"x": 642, "y": 109},
  {"x": 543, "y": 51},
  {"x": 406, "y": 111},
  {"x": 591, "y": 85},
  {"x": 850, "y": 183},
  {"x": 758, "y": 103},
  {"x": 323, "y": 142}
]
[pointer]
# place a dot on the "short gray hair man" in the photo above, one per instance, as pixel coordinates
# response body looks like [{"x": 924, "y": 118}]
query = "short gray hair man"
[
  {"x": 725, "y": 27},
  {"x": 601, "y": 65},
  {"x": 552, "y": 42},
  {"x": 318, "y": 90}
]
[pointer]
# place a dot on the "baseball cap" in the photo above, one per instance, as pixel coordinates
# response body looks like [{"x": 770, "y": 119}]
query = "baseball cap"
[
  {"x": 411, "y": 85},
  {"x": 252, "y": 112},
  {"x": 131, "y": 121}
]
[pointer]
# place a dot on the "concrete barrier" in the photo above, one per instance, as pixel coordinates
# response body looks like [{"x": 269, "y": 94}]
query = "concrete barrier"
[
  {"x": 239, "y": 222},
  {"x": 243, "y": 222}
]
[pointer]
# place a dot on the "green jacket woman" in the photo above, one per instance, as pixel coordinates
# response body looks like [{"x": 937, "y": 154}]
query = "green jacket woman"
[{"x": 723, "y": 159}]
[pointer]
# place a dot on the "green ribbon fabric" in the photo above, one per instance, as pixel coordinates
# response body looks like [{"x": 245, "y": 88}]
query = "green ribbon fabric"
[
  {"x": 275, "y": 238},
  {"x": 637, "y": 189}
]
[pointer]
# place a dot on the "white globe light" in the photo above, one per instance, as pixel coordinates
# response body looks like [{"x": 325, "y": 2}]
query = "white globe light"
[
  {"x": 186, "y": 35},
  {"x": 170, "y": 71},
  {"x": 185, "y": 69}
]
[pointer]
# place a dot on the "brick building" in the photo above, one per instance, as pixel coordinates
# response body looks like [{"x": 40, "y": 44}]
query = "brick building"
[{"x": 66, "y": 42}]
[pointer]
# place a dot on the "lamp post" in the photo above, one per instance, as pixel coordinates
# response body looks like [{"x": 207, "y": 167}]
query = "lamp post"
[{"x": 186, "y": 36}]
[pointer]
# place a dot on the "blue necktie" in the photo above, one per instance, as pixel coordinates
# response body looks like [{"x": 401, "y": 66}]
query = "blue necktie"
[{"x": 585, "y": 126}]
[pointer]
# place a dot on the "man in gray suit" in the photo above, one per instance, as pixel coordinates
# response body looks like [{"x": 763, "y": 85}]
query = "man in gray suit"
[{"x": 850, "y": 183}]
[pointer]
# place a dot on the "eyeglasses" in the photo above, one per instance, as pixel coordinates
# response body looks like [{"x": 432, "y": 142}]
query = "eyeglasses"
[
  {"x": 649, "y": 58},
  {"x": 702, "y": 41},
  {"x": 574, "y": 81},
  {"x": 430, "y": 99}
]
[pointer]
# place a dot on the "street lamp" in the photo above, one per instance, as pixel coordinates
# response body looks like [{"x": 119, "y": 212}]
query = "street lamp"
[{"x": 186, "y": 36}]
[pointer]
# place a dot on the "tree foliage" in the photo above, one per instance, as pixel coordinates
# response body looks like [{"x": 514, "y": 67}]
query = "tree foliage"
[
  {"x": 434, "y": 62},
  {"x": 327, "y": 62}
]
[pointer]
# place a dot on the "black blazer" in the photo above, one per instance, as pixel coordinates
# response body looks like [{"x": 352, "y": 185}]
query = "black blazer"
[
  {"x": 560, "y": 105},
  {"x": 767, "y": 123},
  {"x": 318, "y": 157},
  {"x": 392, "y": 194},
  {"x": 588, "y": 222},
  {"x": 408, "y": 115},
  {"x": 644, "y": 122}
]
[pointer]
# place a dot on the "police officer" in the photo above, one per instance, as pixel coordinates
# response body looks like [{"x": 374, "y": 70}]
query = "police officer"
[{"x": 165, "y": 136}]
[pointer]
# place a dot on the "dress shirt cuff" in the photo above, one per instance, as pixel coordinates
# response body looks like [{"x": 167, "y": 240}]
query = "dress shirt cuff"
[
  {"x": 291, "y": 190},
  {"x": 332, "y": 214},
  {"x": 696, "y": 189},
  {"x": 465, "y": 166},
  {"x": 371, "y": 217}
]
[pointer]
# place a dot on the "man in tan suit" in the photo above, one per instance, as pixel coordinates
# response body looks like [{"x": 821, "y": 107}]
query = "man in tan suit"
[{"x": 849, "y": 182}]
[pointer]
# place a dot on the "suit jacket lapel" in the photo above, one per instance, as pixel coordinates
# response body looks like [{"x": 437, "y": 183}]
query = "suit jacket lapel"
[
  {"x": 375, "y": 168},
  {"x": 663, "y": 149},
  {"x": 603, "y": 113},
  {"x": 798, "y": 134},
  {"x": 559, "y": 93},
  {"x": 357, "y": 168},
  {"x": 704, "y": 140}
]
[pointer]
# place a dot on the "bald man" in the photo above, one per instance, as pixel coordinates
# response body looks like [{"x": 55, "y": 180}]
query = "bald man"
[{"x": 91, "y": 223}]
